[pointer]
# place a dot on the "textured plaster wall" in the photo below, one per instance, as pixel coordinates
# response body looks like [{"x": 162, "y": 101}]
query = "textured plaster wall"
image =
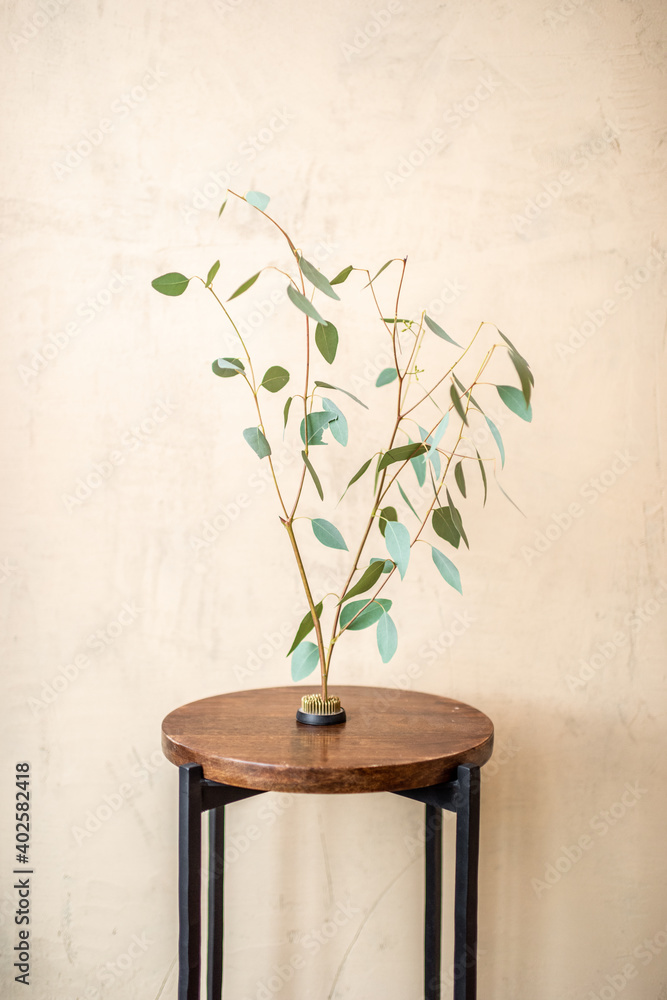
[{"x": 515, "y": 151}]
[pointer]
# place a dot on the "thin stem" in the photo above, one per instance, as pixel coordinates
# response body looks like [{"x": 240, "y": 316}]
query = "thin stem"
[{"x": 311, "y": 604}]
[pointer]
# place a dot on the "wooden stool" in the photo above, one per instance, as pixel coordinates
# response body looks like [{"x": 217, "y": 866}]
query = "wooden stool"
[{"x": 419, "y": 745}]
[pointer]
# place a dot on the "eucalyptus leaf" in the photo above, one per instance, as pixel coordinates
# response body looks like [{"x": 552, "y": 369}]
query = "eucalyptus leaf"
[
  {"x": 222, "y": 208},
  {"x": 358, "y": 475},
  {"x": 368, "y": 579},
  {"x": 387, "y": 637},
  {"x": 460, "y": 478},
  {"x": 306, "y": 625},
  {"x": 286, "y": 411},
  {"x": 369, "y": 616},
  {"x": 432, "y": 455},
  {"x": 326, "y": 339},
  {"x": 515, "y": 401},
  {"x": 386, "y": 376},
  {"x": 525, "y": 375},
  {"x": 401, "y": 454},
  {"x": 257, "y": 199},
  {"x": 443, "y": 525},
  {"x": 447, "y": 569},
  {"x": 397, "y": 540},
  {"x": 227, "y": 367},
  {"x": 499, "y": 441},
  {"x": 388, "y": 564},
  {"x": 275, "y": 379},
  {"x": 512, "y": 347},
  {"x": 483, "y": 474},
  {"x": 507, "y": 496},
  {"x": 317, "y": 279},
  {"x": 338, "y": 427},
  {"x": 379, "y": 272},
  {"x": 418, "y": 463},
  {"x": 456, "y": 517},
  {"x": 438, "y": 331},
  {"x": 402, "y": 492},
  {"x": 438, "y": 434},
  {"x": 302, "y": 303},
  {"x": 305, "y": 659},
  {"x": 212, "y": 273},
  {"x": 457, "y": 404},
  {"x": 314, "y": 476},
  {"x": 327, "y": 385},
  {"x": 342, "y": 275},
  {"x": 172, "y": 283},
  {"x": 245, "y": 286},
  {"x": 257, "y": 441},
  {"x": 386, "y": 514},
  {"x": 317, "y": 424},
  {"x": 328, "y": 534}
]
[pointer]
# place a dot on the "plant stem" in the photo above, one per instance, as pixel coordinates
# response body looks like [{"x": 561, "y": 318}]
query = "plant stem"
[{"x": 311, "y": 603}]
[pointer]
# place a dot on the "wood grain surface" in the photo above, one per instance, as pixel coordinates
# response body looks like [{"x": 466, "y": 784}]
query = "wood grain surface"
[{"x": 392, "y": 740}]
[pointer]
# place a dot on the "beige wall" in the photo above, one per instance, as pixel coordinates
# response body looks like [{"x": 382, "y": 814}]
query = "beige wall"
[{"x": 113, "y": 618}]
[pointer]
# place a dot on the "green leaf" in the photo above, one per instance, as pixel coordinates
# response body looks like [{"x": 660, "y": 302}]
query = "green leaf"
[
  {"x": 379, "y": 272},
  {"x": 245, "y": 286},
  {"x": 514, "y": 400},
  {"x": 388, "y": 564},
  {"x": 419, "y": 465},
  {"x": 387, "y": 514},
  {"x": 483, "y": 472},
  {"x": 456, "y": 517},
  {"x": 328, "y": 534},
  {"x": 436, "y": 437},
  {"x": 397, "y": 540},
  {"x": 302, "y": 303},
  {"x": 212, "y": 273},
  {"x": 368, "y": 579},
  {"x": 525, "y": 375},
  {"x": 171, "y": 284},
  {"x": 358, "y": 475},
  {"x": 369, "y": 616},
  {"x": 517, "y": 352},
  {"x": 315, "y": 477},
  {"x": 402, "y": 492},
  {"x": 386, "y": 376},
  {"x": 507, "y": 496},
  {"x": 387, "y": 638},
  {"x": 327, "y": 385},
  {"x": 306, "y": 626},
  {"x": 257, "y": 441},
  {"x": 446, "y": 569},
  {"x": 438, "y": 331},
  {"x": 460, "y": 478},
  {"x": 326, "y": 338},
  {"x": 499, "y": 441},
  {"x": 317, "y": 279},
  {"x": 338, "y": 427},
  {"x": 443, "y": 525},
  {"x": 227, "y": 367},
  {"x": 257, "y": 199},
  {"x": 401, "y": 454},
  {"x": 342, "y": 275},
  {"x": 457, "y": 404},
  {"x": 275, "y": 379},
  {"x": 395, "y": 319},
  {"x": 286, "y": 412},
  {"x": 433, "y": 457},
  {"x": 222, "y": 208},
  {"x": 317, "y": 424},
  {"x": 304, "y": 660}
]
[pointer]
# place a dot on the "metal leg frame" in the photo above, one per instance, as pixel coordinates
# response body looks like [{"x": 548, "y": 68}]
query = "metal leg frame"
[{"x": 198, "y": 795}]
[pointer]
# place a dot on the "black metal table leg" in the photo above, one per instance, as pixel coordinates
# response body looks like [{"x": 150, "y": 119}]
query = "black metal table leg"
[
  {"x": 433, "y": 903},
  {"x": 189, "y": 881},
  {"x": 216, "y": 851},
  {"x": 465, "y": 902}
]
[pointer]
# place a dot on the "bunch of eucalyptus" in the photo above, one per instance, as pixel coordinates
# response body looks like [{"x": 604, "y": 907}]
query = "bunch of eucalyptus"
[{"x": 440, "y": 454}]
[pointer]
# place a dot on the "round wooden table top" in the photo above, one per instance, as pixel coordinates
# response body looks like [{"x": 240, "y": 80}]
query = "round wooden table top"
[{"x": 392, "y": 740}]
